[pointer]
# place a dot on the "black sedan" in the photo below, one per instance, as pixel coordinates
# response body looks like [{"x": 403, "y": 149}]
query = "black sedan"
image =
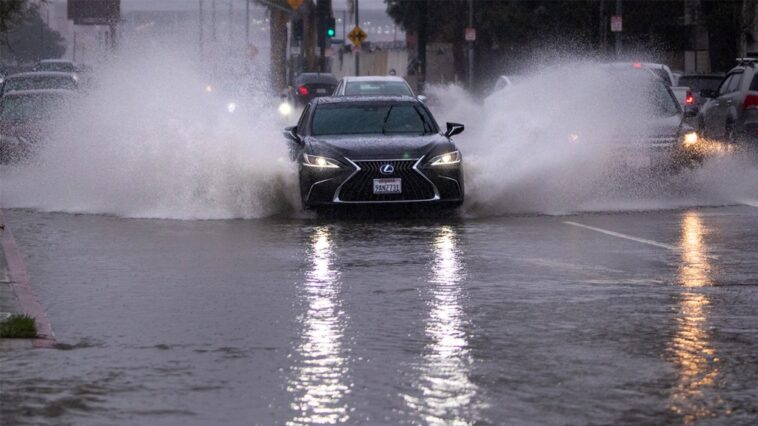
[{"x": 375, "y": 150}]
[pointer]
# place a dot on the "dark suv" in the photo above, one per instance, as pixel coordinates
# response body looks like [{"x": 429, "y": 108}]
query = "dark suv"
[{"x": 730, "y": 112}]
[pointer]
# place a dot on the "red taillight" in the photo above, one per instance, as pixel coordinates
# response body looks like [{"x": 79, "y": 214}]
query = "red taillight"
[
  {"x": 751, "y": 102},
  {"x": 637, "y": 65},
  {"x": 302, "y": 90},
  {"x": 689, "y": 99}
]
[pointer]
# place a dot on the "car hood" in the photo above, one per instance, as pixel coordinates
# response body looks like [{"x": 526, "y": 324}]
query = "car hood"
[{"x": 379, "y": 147}]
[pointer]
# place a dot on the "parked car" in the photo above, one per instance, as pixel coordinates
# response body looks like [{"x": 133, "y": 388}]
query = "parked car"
[
  {"x": 371, "y": 150},
  {"x": 730, "y": 112},
  {"x": 39, "y": 81},
  {"x": 373, "y": 86},
  {"x": 24, "y": 115}
]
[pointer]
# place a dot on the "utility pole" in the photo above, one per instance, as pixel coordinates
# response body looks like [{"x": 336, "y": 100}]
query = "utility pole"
[
  {"x": 201, "y": 24},
  {"x": 421, "y": 83},
  {"x": 230, "y": 23},
  {"x": 247, "y": 21},
  {"x": 471, "y": 47},
  {"x": 357, "y": 53},
  {"x": 618, "y": 33},
  {"x": 213, "y": 20}
]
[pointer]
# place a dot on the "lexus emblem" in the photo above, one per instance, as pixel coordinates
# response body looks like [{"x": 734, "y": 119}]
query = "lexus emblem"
[{"x": 387, "y": 169}]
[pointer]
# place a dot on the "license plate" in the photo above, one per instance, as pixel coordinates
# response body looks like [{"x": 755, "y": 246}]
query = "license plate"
[
  {"x": 387, "y": 186},
  {"x": 321, "y": 91}
]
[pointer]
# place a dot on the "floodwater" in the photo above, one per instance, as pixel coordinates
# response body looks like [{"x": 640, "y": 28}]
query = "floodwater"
[{"x": 603, "y": 318}]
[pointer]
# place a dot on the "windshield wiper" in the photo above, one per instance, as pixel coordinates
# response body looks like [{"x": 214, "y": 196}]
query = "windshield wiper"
[{"x": 386, "y": 117}]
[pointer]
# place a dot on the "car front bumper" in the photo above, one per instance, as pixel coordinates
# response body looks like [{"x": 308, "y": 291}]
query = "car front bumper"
[{"x": 355, "y": 184}]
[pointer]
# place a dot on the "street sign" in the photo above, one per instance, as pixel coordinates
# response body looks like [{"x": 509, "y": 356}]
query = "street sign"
[
  {"x": 357, "y": 36},
  {"x": 470, "y": 34},
  {"x": 295, "y": 4},
  {"x": 616, "y": 24}
]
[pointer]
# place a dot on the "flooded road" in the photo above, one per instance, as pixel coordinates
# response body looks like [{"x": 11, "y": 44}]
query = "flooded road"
[{"x": 623, "y": 318}]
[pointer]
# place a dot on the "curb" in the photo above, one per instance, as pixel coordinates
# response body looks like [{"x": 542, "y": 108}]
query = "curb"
[{"x": 22, "y": 288}]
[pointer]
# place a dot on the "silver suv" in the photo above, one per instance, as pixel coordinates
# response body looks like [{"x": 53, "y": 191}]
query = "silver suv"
[{"x": 730, "y": 112}]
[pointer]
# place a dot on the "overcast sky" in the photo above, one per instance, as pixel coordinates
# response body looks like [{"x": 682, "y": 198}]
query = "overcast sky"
[{"x": 130, "y": 5}]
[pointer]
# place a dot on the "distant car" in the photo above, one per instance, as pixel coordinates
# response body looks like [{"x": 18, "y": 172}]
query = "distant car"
[
  {"x": 699, "y": 82},
  {"x": 375, "y": 150},
  {"x": 23, "y": 117},
  {"x": 39, "y": 81},
  {"x": 373, "y": 86},
  {"x": 730, "y": 112},
  {"x": 661, "y": 70},
  {"x": 655, "y": 136},
  {"x": 60, "y": 65},
  {"x": 309, "y": 86}
]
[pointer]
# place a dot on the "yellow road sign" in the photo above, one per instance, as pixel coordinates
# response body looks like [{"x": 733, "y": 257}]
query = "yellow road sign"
[
  {"x": 295, "y": 4},
  {"x": 357, "y": 36}
]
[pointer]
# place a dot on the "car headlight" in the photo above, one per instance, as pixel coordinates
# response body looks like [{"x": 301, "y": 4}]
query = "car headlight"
[
  {"x": 285, "y": 108},
  {"x": 319, "y": 162},
  {"x": 690, "y": 138},
  {"x": 231, "y": 107},
  {"x": 448, "y": 159}
]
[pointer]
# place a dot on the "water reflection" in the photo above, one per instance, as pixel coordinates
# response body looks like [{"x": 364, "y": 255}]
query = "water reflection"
[
  {"x": 445, "y": 394},
  {"x": 320, "y": 381},
  {"x": 693, "y": 354}
]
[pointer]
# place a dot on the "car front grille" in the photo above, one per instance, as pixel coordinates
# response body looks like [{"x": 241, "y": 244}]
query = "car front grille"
[{"x": 360, "y": 186}]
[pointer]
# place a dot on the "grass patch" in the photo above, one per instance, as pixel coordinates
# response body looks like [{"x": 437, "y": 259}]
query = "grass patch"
[{"x": 18, "y": 327}]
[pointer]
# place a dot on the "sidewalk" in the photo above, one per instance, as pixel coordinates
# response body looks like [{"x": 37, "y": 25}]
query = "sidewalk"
[{"x": 16, "y": 295}]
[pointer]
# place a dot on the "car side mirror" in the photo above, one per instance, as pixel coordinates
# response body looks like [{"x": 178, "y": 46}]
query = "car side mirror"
[
  {"x": 291, "y": 134},
  {"x": 691, "y": 111},
  {"x": 421, "y": 98},
  {"x": 708, "y": 93},
  {"x": 454, "y": 129}
]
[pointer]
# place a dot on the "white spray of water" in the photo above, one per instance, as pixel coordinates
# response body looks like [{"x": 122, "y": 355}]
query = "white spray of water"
[
  {"x": 519, "y": 157},
  {"x": 149, "y": 141}
]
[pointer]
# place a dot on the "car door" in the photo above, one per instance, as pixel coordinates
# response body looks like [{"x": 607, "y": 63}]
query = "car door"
[{"x": 715, "y": 114}]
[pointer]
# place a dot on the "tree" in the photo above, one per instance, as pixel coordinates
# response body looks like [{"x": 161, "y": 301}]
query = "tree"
[{"x": 24, "y": 35}]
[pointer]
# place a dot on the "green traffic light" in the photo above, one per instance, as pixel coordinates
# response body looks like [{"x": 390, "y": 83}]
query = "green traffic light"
[{"x": 330, "y": 32}]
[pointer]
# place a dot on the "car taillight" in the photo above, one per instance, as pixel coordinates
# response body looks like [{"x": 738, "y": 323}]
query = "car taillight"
[
  {"x": 637, "y": 65},
  {"x": 751, "y": 102},
  {"x": 689, "y": 99},
  {"x": 302, "y": 90}
]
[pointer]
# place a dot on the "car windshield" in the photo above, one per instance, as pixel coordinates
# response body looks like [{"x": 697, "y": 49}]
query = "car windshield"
[
  {"x": 377, "y": 88},
  {"x": 39, "y": 82},
  {"x": 701, "y": 83},
  {"x": 336, "y": 119},
  {"x": 660, "y": 72},
  {"x": 31, "y": 107}
]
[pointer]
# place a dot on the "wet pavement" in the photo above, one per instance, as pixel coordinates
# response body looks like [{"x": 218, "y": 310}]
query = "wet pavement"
[{"x": 617, "y": 318}]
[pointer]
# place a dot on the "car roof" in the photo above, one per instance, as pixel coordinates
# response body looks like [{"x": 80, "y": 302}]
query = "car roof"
[
  {"x": 38, "y": 92},
  {"x": 41, "y": 74},
  {"x": 312, "y": 77},
  {"x": 364, "y": 100},
  {"x": 374, "y": 78}
]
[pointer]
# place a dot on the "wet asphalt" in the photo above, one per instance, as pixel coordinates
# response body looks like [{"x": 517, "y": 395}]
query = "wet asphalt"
[{"x": 603, "y": 318}]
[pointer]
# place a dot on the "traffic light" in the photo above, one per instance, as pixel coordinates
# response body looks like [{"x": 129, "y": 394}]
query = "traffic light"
[{"x": 330, "y": 31}]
